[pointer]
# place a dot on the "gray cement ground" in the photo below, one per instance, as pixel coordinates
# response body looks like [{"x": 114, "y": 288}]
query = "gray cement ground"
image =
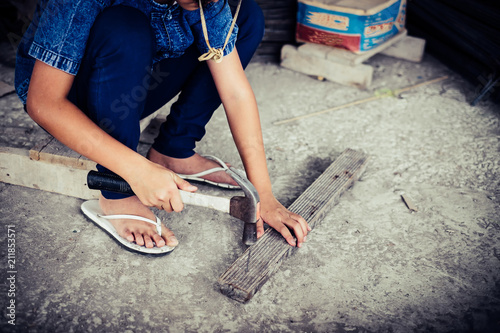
[{"x": 371, "y": 266}]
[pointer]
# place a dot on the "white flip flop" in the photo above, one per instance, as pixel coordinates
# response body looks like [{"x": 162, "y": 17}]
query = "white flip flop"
[
  {"x": 93, "y": 211},
  {"x": 197, "y": 176}
]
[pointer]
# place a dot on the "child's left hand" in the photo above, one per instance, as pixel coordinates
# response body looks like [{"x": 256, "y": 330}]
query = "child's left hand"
[{"x": 282, "y": 220}]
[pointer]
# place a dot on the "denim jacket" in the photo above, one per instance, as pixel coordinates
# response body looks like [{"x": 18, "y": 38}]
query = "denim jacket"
[{"x": 60, "y": 29}]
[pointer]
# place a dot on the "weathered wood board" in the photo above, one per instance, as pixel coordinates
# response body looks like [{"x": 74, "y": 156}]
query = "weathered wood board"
[
  {"x": 260, "y": 261},
  {"x": 53, "y": 152},
  {"x": 17, "y": 168}
]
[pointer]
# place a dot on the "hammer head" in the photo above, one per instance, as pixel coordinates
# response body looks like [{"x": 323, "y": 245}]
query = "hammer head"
[{"x": 245, "y": 208}]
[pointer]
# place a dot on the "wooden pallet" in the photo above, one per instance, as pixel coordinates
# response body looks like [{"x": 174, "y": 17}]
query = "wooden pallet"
[{"x": 260, "y": 261}]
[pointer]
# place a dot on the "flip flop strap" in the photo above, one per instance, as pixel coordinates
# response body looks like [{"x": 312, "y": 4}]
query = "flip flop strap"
[
  {"x": 213, "y": 53},
  {"x": 134, "y": 217},
  {"x": 223, "y": 167},
  {"x": 218, "y": 160},
  {"x": 203, "y": 173}
]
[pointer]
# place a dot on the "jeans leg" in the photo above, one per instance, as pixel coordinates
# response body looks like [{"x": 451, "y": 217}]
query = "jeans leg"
[
  {"x": 112, "y": 84},
  {"x": 199, "y": 99}
]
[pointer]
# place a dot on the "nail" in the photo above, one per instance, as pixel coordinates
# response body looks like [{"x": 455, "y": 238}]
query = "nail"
[{"x": 173, "y": 241}]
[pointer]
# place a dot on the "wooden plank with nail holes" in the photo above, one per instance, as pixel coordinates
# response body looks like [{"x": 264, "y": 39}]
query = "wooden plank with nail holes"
[{"x": 260, "y": 261}]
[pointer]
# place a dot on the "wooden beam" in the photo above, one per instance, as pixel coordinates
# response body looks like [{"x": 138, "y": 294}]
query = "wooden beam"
[
  {"x": 260, "y": 261},
  {"x": 409, "y": 48},
  {"x": 17, "y": 168},
  {"x": 342, "y": 56},
  {"x": 359, "y": 76},
  {"x": 53, "y": 152}
]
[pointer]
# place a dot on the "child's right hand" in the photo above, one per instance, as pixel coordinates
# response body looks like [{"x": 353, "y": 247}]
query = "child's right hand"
[{"x": 157, "y": 186}]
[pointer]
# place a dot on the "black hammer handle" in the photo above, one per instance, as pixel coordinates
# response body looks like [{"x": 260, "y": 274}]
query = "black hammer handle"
[{"x": 108, "y": 182}]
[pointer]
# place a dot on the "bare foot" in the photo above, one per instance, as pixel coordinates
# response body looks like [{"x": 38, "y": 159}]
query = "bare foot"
[
  {"x": 191, "y": 165},
  {"x": 142, "y": 233}
]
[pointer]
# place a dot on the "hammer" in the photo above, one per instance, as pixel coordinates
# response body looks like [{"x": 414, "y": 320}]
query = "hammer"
[{"x": 245, "y": 208}]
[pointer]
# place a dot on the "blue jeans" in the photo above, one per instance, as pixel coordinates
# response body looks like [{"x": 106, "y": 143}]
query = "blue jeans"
[{"x": 116, "y": 88}]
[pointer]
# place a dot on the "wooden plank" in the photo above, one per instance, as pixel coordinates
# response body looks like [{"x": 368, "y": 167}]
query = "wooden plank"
[
  {"x": 17, "y": 168},
  {"x": 409, "y": 48},
  {"x": 53, "y": 152},
  {"x": 259, "y": 262},
  {"x": 34, "y": 152},
  {"x": 347, "y": 57},
  {"x": 359, "y": 76}
]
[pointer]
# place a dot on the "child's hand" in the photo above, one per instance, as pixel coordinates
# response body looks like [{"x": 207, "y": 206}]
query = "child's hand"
[
  {"x": 282, "y": 220},
  {"x": 156, "y": 186}
]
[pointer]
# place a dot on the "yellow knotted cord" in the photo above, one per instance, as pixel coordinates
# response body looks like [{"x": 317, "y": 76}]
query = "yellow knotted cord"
[{"x": 213, "y": 53}]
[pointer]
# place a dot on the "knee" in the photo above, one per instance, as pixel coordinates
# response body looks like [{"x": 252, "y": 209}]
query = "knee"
[
  {"x": 251, "y": 21},
  {"x": 123, "y": 29}
]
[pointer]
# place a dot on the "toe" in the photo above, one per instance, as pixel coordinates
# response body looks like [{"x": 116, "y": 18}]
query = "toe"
[
  {"x": 160, "y": 242},
  {"x": 148, "y": 242},
  {"x": 172, "y": 241},
  {"x": 128, "y": 236},
  {"x": 169, "y": 236},
  {"x": 139, "y": 240}
]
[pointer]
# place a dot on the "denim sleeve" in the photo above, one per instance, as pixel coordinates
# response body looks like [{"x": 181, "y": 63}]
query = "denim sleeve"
[
  {"x": 219, "y": 18},
  {"x": 62, "y": 32}
]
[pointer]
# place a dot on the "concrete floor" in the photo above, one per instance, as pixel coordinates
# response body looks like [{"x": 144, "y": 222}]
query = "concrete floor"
[{"x": 371, "y": 266}]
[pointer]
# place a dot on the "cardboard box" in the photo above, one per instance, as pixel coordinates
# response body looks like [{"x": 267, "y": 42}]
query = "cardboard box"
[{"x": 356, "y": 25}]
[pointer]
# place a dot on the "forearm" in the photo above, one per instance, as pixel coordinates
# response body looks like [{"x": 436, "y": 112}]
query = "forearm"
[
  {"x": 244, "y": 123},
  {"x": 48, "y": 105},
  {"x": 73, "y": 128},
  {"x": 243, "y": 117}
]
